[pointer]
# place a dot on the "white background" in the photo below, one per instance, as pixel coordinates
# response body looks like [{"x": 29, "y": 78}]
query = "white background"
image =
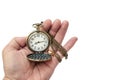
[{"x": 96, "y": 23}]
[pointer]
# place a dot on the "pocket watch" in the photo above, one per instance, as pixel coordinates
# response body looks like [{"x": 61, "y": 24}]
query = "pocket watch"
[{"x": 38, "y": 42}]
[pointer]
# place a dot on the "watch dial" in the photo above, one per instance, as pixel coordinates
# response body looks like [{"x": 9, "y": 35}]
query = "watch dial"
[{"x": 38, "y": 41}]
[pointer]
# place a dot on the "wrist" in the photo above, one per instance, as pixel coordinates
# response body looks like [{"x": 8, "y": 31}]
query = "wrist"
[{"x": 6, "y": 79}]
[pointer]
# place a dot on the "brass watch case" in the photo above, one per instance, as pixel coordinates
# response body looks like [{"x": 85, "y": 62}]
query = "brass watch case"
[
  {"x": 39, "y": 56},
  {"x": 50, "y": 40}
]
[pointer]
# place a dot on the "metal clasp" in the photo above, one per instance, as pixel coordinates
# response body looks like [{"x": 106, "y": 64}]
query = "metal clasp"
[{"x": 38, "y": 25}]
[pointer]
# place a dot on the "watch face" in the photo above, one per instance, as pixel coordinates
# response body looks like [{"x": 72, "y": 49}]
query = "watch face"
[{"x": 38, "y": 41}]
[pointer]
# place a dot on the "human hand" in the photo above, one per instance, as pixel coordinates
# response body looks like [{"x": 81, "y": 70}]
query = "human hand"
[{"x": 18, "y": 67}]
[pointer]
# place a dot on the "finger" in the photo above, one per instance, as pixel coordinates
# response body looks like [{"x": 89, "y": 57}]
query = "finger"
[
  {"x": 16, "y": 43},
  {"x": 62, "y": 31},
  {"x": 47, "y": 24},
  {"x": 55, "y": 27},
  {"x": 67, "y": 46},
  {"x": 70, "y": 43}
]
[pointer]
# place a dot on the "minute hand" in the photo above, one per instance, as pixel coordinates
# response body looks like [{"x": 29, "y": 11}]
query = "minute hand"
[{"x": 39, "y": 42}]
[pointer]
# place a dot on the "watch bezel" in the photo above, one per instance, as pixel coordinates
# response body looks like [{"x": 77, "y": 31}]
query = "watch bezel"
[{"x": 49, "y": 40}]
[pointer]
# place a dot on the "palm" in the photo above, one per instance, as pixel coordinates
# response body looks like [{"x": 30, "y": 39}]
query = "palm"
[{"x": 26, "y": 69}]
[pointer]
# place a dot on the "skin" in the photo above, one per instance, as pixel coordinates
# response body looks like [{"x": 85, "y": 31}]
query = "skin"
[{"x": 18, "y": 67}]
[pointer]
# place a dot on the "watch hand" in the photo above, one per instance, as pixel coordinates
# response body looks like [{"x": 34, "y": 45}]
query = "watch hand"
[{"x": 39, "y": 42}]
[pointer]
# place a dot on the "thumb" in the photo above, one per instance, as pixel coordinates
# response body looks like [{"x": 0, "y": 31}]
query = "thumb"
[{"x": 16, "y": 43}]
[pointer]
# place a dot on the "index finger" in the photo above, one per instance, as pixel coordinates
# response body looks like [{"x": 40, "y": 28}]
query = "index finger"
[{"x": 47, "y": 24}]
